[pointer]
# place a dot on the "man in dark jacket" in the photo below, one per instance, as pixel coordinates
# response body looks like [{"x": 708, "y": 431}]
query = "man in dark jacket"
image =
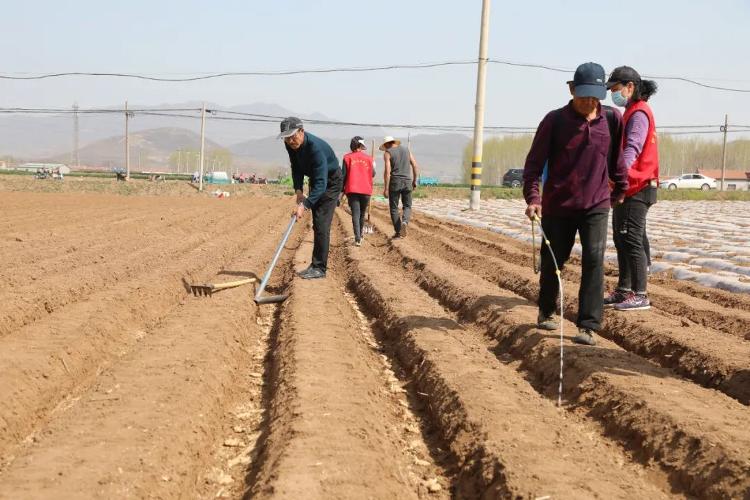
[
  {"x": 312, "y": 157},
  {"x": 581, "y": 143}
]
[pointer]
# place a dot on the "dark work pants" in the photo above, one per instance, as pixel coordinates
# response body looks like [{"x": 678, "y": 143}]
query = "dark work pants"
[
  {"x": 358, "y": 204},
  {"x": 399, "y": 190},
  {"x": 629, "y": 235},
  {"x": 322, "y": 215},
  {"x": 561, "y": 232}
]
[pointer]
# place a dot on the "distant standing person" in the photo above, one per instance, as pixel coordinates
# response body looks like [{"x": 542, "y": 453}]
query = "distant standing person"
[
  {"x": 400, "y": 176},
  {"x": 313, "y": 158},
  {"x": 580, "y": 143},
  {"x": 358, "y": 169},
  {"x": 641, "y": 154}
]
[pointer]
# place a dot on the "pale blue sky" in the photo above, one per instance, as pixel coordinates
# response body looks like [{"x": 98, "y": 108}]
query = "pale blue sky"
[{"x": 701, "y": 39}]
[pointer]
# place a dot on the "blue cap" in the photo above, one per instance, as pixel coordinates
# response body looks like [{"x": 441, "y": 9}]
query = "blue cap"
[{"x": 589, "y": 80}]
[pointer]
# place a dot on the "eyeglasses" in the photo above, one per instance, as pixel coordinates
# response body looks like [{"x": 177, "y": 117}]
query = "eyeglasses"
[{"x": 291, "y": 137}]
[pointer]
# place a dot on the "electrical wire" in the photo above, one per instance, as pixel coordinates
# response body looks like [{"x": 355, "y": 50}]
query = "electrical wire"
[
  {"x": 218, "y": 114},
  {"x": 243, "y": 73},
  {"x": 363, "y": 69}
]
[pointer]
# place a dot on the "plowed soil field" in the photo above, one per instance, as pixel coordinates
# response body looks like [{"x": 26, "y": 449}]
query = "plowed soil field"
[{"x": 414, "y": 370}]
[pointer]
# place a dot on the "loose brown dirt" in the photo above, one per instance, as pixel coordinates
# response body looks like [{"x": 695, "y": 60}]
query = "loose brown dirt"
[{"x": 414, "y": 370}]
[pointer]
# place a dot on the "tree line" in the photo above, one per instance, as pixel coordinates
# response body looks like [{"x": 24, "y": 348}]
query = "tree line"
[{"x": 677, "y": 155}]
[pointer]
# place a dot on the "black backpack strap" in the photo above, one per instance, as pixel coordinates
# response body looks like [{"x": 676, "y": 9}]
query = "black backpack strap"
[{"x": 609, "y": 114}]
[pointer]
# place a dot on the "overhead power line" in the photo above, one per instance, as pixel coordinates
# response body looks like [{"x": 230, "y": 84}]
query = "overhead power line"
[
  {"x": 363, "y": 69},
  {"x": 239, "y": 116}
]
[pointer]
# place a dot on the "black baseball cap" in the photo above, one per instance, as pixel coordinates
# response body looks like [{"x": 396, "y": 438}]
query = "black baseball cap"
[
  {"x": 623, "y": 74},
  {"x": 588, "y": 81},
  {"x": 357, "y": 142},
  {"x": 289, "y": 126}
]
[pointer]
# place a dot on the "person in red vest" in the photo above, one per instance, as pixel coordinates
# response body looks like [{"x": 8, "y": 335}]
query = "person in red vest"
[
  {"x": 641, "y": 154},
  {"x": 358, "y": 170}
]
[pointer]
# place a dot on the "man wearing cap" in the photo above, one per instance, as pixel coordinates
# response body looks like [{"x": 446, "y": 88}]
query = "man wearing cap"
[
  {"x": 312, "y": 157},
  {"x": 400, "y": 176},
  {"x": 581, "y": 144},
  {"x": 358, "y": 168}
]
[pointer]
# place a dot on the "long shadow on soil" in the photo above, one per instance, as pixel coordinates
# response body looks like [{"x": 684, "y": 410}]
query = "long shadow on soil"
[
  {"x": 438, "y": 448},
  {"x": 270, "y": 375}
]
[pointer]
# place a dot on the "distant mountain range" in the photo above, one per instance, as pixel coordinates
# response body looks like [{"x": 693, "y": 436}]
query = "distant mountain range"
[{"x": 154, "y": 138}]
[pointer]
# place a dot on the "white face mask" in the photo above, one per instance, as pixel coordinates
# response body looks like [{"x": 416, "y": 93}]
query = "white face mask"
[{"x": 619, "y": 99}]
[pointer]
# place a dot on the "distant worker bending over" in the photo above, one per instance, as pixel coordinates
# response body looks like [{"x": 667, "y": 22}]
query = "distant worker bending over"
[{"x": 313, "y": 157}]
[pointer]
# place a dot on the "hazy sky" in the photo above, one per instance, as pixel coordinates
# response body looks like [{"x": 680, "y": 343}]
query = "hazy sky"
[{"x": 706, "y": 40}]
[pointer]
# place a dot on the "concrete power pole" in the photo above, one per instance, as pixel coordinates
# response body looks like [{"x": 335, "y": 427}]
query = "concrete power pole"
[
  {"x": 76, "y": 159},
  {"x": 724, "y": 150},
  {"x": 476, "y": 161},
  {"x": 203, "y": 143},
  {"x": 127, "y": 143}
]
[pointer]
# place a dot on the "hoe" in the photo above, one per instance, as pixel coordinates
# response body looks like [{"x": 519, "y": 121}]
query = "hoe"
[{"x": 272, "y": 299}]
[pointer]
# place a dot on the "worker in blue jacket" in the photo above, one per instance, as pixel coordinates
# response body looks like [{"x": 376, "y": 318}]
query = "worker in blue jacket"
[{"x": 313, "y": 157}]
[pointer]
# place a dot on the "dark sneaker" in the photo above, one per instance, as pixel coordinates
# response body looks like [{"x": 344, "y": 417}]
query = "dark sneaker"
[
  {"x": 585, "y": 336},
  {"x": 305, "y": 270},
  {"x": 616, "y": 297},
  {"x": 403, "y": 230},
  {"x": 313, "y": 274},
  {"x": 357, "y": 243},
  {"x": 396, "y": 236},
  {"x": 636, "y": 302},
  {"x": 544, "y": 322}
]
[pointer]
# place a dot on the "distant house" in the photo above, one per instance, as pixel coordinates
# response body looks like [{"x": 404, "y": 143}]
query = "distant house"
[
  {"x": 52, "y": 167},
  {"x": 734, "y": 180}
]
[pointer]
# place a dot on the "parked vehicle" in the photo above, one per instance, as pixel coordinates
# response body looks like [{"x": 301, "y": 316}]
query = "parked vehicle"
[
  {"x": 689, "y": 181},
  {"x": 218, "y": 178},
  {"x": 513, "y": 178},
  {"x": 428, "y": 181}
]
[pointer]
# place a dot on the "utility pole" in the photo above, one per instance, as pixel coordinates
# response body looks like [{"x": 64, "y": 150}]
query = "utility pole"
[
  {"x": 75, "y": 160},
  {"x": 179, "y": 160},
  {"x": 127, "y": 143},
  {"x": 724, "y": 150},
  {"x": 203, "y": 143},
  {"x": 476, "y": 161}
]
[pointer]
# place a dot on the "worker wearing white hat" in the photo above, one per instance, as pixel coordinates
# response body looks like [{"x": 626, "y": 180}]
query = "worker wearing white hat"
[{"x": 400, "y": 177}]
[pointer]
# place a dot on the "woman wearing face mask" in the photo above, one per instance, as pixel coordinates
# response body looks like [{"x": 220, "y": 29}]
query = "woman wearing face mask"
[{"x": 641, "y": 155}]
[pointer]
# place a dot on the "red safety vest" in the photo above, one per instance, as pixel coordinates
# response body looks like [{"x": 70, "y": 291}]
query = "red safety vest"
[
  {"x": 358, "y": 173},
  {"x": 646, "y": 166}
]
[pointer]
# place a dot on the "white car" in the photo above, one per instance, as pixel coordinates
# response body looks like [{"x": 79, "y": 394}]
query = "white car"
[{"x": 689, "y": 181}]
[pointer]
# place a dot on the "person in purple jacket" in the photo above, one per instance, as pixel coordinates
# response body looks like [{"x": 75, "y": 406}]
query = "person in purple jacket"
[{"x": 581, "y": 144}]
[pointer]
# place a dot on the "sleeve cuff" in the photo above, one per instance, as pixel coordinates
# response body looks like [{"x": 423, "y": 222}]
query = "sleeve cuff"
[{"x": 307, "y": 204}]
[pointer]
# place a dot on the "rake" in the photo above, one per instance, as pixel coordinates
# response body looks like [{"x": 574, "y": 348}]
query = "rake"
[
  {"x": 208, "y": 289},
  {"x": 368, "y": 229},
  {"x": 272, "y": 299}
]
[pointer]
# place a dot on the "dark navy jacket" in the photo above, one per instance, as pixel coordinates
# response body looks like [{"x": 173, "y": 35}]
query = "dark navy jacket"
[{"x": 316, "y": 160}]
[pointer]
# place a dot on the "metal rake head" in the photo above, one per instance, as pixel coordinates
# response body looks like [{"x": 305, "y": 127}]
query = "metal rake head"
[
  {"x": 202, "y": 290},
  {"x": 368, "y": 229}
]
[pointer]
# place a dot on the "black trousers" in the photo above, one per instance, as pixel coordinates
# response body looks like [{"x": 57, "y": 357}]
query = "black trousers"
[
  {"x": 561, "y": 231},
  {"x": 322, "y": 216},
  {"x": 399, "y": 190},
  {"x": 629, "y": 235},
  {"x": 358, "y": 204}
]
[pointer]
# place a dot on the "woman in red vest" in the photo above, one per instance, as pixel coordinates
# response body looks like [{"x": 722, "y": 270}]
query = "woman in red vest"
[
  {"x": 641, "y": 154},
  {"x": 358, "y": 170}
]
